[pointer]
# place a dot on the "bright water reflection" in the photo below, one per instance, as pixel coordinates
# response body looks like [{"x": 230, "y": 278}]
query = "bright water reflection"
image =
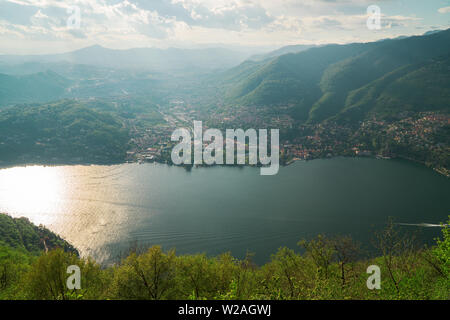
[{"x": 102, "y": 210}]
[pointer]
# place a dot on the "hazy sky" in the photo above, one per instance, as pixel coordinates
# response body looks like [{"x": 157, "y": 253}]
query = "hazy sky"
[{"x": 47, "y": 26}]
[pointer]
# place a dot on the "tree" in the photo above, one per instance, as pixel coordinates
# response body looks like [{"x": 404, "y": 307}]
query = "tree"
[
  {"x": 148, "y": 276},
  {"x": 442, "y": 250},
  {"x": 14, "y": 263},
  {"x": 399, "y": 252},
  {"x": 321, "y": 250},
  {"x": 47, "y": 278},
  {"x": 284, "y": 274},
  {"x": 346, "y": 251},
  {"x": 196, "y": 275}
]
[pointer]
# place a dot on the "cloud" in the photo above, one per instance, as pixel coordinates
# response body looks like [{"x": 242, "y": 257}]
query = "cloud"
[
  {"x": 444, "y": 10},
  {"x": 99, "y": 19},
  {"x": 232, "y": 15},
  {"x": 136, "y": 23}
]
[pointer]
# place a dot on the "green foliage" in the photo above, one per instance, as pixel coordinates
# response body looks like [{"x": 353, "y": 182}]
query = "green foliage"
[
  {"x": 288, "y": 79},
  {"x": 47, "y": 278},
  {"x": 442, "y": 250},
  {"x": 147, "y": 276},
  {"x": 284, "y": 277},
  {"x": 415, "y": 88},
  {"x": 39, "y": 87},
  {"x": 196, "y": 275},
  {"x": 329, "y": 268},
  {"x": 321, "y": 251},
  {"x": 14, "y": 263},
  {"x": 20, "y": 233},
  {"x": 64, "y": 131}
]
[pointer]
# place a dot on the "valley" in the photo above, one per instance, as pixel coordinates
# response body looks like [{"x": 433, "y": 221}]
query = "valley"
[
  {"x": 320, "y": 98},
  {"x": 232, "y": 150}
]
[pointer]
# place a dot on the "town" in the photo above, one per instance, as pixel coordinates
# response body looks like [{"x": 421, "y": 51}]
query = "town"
[{"x": 419, "y": 137}]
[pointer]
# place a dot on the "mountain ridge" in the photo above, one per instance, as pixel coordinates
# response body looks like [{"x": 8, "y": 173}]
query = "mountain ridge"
[
  {"x": 317, "y": 82},
  {"x": 152, "y": 59}
]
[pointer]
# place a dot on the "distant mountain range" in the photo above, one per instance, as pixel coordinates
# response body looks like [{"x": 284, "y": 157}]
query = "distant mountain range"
[
  {"x": 101, "y": 72},
  {"x": 313, "y": 83},
  {"x": 150, "y": 59},
  {"x": 348, "y": 81},
  {"x": 279, "y": 52}
]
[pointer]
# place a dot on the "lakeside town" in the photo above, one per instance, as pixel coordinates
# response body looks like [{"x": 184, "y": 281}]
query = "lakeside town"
[{"x": 422, "y": 137}]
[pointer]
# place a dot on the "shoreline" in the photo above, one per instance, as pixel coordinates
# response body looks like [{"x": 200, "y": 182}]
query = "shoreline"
[
  {"x": 8, "y": 165},
  {"x": 350, "y": 161},
  {"x": 443, "y": 172}
]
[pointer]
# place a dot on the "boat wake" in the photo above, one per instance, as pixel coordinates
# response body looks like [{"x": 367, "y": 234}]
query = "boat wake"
[{"x": 425, "y": 225}]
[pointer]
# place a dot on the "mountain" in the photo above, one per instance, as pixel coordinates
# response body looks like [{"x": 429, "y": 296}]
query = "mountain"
[
  {"x": 100, "y": 72},
  {"x": 65, "y": 69},
  {"x": 353, "y": 73},
  {"x": 151, "y": 59},
  {"x": 38, "y": 87},
  {"x": 423, "y": 86},
  {"x": 65, "y": 80},
  {"x": 279, "y": 52},
  {"x": 291, "y": 79},
  {"x": 323, "y": 82}
]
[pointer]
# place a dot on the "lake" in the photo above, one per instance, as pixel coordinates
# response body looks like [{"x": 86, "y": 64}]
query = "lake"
[{"x": 104, "y": 210}]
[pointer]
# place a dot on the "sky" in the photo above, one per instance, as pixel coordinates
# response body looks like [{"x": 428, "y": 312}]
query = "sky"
[{"x": 55, "y": 26}]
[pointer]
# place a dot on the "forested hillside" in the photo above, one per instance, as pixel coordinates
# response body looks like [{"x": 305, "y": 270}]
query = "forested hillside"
[
  {"x": 358, "y": 79},
  {"x": 424, "y": 86},
  {"x": 149, "y": 59},
  {"x": 328, "y": 268},
  {"x": 38, "y": 87},
  {"x": 281, "y": 51},
  {"x": 20, "y": 233},
  {"x": 60, "y": 132}
]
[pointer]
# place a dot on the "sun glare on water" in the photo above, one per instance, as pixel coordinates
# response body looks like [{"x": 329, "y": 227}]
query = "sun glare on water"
[{"x": 34, "y": 192}]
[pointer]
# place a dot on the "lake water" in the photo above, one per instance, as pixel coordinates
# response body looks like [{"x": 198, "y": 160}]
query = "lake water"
[{"x": 103, "y": 210}]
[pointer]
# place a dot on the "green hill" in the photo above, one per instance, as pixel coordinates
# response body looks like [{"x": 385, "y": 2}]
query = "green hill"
[
  {"x": 38, "y": 87},
  {"x": 289, "y": 79},
  {"x": 20, "y": 233},
  {"x": 418, "y": 87},
  {"x": 65, "y": 131},
  {"x": 320, "y": 83}
]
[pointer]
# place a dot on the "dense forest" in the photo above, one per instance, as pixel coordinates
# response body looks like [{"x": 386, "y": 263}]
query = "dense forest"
[
  {"x": 62, "y": 132},
  {"x": 348, "y": 83},
  {"x": 327, "y": 268},
  {"x": 20, "y": 233}
]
